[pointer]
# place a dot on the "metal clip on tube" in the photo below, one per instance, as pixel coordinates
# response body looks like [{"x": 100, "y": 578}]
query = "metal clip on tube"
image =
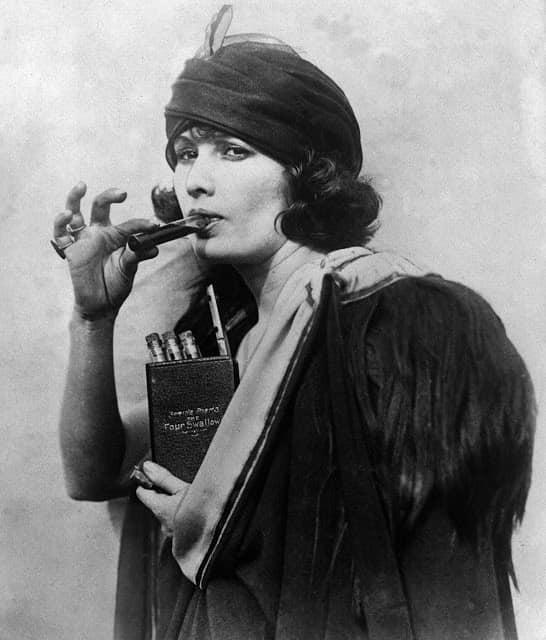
[{"x": 167, "y": 232}]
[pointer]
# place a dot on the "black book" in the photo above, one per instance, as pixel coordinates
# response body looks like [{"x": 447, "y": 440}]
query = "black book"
[{"x": 187, "y": 399}]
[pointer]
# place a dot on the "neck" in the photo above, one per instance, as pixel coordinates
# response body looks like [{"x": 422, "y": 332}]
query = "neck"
[{"x": 265, "y": 280}]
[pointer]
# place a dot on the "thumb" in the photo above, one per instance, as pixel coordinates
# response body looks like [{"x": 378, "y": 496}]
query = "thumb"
[
  {"x": 164, "y": 479},
  {"x": 129, "y": 259}
]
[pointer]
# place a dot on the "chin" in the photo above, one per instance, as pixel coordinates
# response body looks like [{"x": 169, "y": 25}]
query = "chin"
[
  {"x": 215, "y": 253},
  {"x": 223, "y": 251}
]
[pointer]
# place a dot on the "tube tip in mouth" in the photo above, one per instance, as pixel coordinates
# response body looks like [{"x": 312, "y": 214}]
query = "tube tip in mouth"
[{"x": 197, "y": 220}]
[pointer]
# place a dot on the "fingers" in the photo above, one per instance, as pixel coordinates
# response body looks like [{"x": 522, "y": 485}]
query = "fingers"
[
  {"x": 74, "y": 197},
  {"x": 164, "y": 479},
  {"x": 163, "y": 506},
  {"x": 59, "y": 225},
  {"x": 158, "y": 503},
  {"x": 128, "y": 260},
  {"x": 73, "y": 201},
  {"x": 100, "y": 209},
  {"x": 100, "y": 216}
]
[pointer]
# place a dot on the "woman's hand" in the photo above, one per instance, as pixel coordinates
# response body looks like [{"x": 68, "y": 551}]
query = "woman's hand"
[
  {"x": 102, "y": 268},
  {"x": 163, "y": 505}
]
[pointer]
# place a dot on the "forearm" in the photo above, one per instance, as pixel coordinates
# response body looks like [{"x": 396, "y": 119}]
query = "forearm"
[{"x": 91, "y": 431}]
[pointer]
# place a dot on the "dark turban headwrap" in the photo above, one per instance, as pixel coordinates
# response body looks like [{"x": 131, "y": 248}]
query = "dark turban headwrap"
[{"x": 270, "y": 97}]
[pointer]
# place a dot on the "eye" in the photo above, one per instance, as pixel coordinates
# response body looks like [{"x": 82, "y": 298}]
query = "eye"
[
  {"x": 234, "y": 151},
  {"x": 185, "y": 154}
]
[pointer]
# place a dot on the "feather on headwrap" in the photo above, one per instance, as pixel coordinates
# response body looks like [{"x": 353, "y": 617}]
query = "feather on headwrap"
[{"x": 266, "y": 94}]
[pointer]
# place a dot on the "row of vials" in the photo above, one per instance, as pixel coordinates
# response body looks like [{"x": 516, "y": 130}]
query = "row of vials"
[
  {"x": 172, "y": 347},
  {"x": 184, "y": 347}
]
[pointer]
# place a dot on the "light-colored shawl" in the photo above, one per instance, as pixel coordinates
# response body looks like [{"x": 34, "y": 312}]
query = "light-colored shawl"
[{"x": 206, "y": 512}]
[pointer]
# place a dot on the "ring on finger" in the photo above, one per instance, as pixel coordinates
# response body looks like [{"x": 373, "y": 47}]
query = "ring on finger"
[
  {"x": 72, "y": 230},
  {"x": 61, "y": 246}
]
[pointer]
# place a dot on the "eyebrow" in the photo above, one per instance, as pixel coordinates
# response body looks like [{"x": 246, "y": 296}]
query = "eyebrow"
[{"x": 216, "y": 137}]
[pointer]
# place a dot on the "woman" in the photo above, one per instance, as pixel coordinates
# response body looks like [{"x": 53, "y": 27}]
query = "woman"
[{"x": 368, "y": 473}]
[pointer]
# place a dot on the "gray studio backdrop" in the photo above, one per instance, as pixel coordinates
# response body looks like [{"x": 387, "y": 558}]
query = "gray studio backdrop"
[{"x": 450, "y": 96}]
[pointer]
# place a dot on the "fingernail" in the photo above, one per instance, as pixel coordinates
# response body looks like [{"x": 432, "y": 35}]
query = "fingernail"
[
  {"x": 142, "y": 478},
  {"x": 148, "y": 466}
]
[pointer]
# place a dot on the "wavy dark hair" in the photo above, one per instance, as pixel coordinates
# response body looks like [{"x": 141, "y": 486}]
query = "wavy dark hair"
[{"x": 329, "y": 207}]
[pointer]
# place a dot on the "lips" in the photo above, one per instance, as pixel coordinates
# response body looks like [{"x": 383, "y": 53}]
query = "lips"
[
  {"x": 211, "y": 215},
  {"x": 212, "y": 219}
]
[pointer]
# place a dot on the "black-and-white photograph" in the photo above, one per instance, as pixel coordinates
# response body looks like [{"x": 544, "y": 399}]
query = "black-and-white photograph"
[{"x": 273, "y": 320}]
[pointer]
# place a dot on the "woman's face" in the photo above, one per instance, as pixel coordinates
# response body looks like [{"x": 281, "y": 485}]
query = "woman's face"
[{"x": 239, "y": 188}]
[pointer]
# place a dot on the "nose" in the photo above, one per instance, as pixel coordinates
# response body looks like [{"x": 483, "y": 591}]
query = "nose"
[{"x": 199, "y": 177}]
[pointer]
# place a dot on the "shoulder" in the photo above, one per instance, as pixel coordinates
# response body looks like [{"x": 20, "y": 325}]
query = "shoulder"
[
  {"x": 452, "y": 398},
  {"x": 425, "y": 318},
  {"x": 437, "y": 328},
  {"x": 429, "y": 298}
]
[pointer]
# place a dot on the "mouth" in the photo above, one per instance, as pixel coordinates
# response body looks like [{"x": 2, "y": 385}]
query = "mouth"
[{"x": 211, "y": 217}]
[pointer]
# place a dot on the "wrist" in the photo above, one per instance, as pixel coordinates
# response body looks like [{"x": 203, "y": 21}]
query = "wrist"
[{"x": 93, "y": 320}]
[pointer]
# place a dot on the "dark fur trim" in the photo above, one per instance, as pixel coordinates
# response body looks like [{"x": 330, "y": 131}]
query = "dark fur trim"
[{"x": 454, "y": 403}]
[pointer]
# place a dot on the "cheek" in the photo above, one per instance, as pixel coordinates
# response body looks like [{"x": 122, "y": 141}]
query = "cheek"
[
  {"x": 267, "y": 194},
  {"x": 264, "y": 203}
]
